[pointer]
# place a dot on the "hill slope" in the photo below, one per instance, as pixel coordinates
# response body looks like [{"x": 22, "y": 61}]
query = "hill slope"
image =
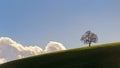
[{"x": 100, "y": 56}]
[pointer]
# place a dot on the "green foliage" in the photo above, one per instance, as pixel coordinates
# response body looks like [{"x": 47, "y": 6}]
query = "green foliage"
[{"x": 99, "y": 56}]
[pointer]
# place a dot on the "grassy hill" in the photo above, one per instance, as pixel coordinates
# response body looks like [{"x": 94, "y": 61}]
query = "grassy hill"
[{"x": 99, "y": 56}]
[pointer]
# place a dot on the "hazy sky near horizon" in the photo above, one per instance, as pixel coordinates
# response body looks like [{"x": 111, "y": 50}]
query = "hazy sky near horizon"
[{"x": 36, "y": 22}]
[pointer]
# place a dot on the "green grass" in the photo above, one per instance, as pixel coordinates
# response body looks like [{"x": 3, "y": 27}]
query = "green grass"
[{"x": 99, "y": 56}]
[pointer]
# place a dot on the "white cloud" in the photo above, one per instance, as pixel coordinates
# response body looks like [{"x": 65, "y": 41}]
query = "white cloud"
[
  {"x": 54, "y": 46},
  {"x": 11, "y": 50},
  {"x": 2, "y": 60}
]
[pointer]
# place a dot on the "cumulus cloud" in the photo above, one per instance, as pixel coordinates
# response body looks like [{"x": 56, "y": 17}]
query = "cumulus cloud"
[
  {"x": 11, "y": 50},
  {"x": 54, "y": 46},
  {"x": 2, "y": 60}
]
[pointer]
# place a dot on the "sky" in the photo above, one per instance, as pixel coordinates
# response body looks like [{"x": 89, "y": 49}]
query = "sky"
[{"x": 36, "y": 22}]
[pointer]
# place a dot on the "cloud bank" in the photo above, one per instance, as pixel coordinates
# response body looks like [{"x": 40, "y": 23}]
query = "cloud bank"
[{"x": 11, "y": 50}]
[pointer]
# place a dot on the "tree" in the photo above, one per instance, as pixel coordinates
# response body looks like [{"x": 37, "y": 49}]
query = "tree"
[{"x": 89, "y": 37}]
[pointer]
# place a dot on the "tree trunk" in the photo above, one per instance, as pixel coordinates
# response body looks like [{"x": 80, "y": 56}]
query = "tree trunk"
[{"x": 89, "y": 44}]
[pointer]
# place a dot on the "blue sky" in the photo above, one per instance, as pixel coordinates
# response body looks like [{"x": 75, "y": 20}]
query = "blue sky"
[{"x": 36, "y": 22}]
